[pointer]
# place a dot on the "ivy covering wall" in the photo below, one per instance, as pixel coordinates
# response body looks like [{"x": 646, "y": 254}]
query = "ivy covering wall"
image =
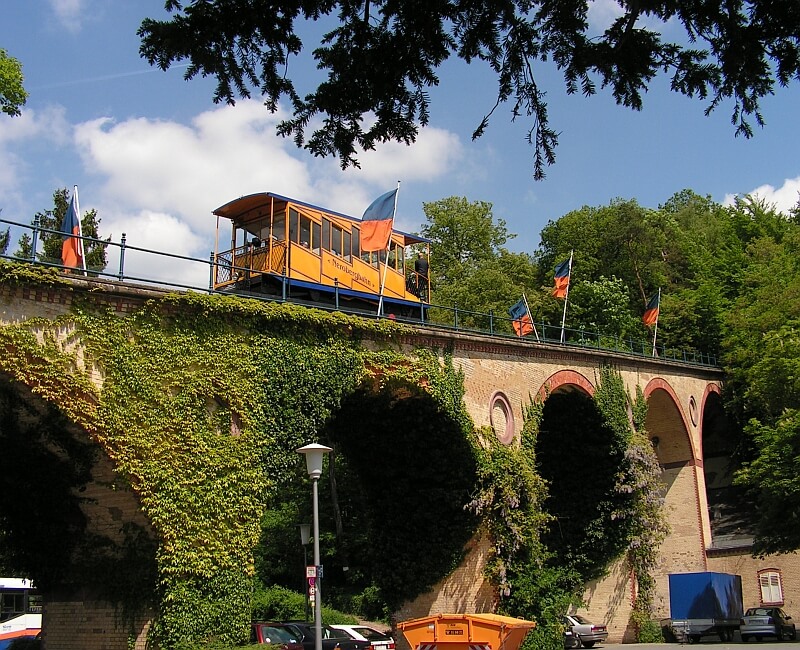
[{"x": 204, "y": 401}]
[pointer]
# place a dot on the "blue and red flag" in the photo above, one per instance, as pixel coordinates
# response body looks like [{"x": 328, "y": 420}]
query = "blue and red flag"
[
  {"x": 521, "y": 318},
  {"x": 376, "y": 224},
  {"x": 72, "y": 248},
  {"x": 650, "y": 317},
  {"x": 561, "y": 278}
]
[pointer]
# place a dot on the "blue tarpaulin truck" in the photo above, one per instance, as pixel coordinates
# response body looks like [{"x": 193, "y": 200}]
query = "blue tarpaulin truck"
[{"x": 705, "y": 604}]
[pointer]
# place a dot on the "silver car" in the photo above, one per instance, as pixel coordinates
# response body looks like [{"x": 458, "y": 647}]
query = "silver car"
[
  {"x": 586, "y": 632},
  {"x": 760, "y": 622}
]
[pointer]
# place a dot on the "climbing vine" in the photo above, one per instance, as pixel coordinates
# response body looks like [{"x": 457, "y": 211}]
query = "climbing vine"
[
  {"x": 538, "y": 578},
  {"x": 202, "y": 404},
  {"x": 203, "y": 401}
]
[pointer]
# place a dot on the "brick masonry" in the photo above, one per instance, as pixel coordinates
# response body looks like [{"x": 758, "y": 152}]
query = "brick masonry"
[{"x": 501, "y": 376}]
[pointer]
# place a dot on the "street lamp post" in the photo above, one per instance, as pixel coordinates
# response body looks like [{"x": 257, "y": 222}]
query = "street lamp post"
[
  {"x": 305, "y": 538},
  {"x": 314, "y": 454}
]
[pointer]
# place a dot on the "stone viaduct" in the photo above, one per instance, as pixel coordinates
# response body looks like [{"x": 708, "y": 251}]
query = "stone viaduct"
[{"x": 685, "y": 422}]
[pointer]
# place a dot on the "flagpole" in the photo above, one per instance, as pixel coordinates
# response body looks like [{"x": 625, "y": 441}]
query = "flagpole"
[
  {"x": 80, "y": 228},
  {"x": 655, "y": 330},
  {"x": 388, "y": 248},
  {"x": 529, "y": 315},
  {"x": 566, "y": 295}
]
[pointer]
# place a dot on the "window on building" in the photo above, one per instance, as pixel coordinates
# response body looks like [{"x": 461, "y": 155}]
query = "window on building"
[{"x": 771, "y": 587}]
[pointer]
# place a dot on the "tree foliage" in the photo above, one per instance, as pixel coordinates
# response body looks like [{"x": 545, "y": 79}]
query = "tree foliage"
[
  {"x": 379, "y": 59},
  {"x": 12, "y": 92},
  {"x": 470, "y": 266}
]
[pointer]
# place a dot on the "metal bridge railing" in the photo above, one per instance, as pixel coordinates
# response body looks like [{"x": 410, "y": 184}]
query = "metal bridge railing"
[{"x": 136, "y": 264}]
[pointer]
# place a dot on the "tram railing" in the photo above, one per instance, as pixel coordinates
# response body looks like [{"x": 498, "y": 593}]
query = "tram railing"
[{"x": 134, "y": 264}]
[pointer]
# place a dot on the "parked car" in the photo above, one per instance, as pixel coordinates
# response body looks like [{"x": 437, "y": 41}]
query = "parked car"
[
  {"x": 378, "y": 640},
  {"x": 276, "y": 634},
  {"x": 587, "y": 632},
  {"x": 570, "y": 640},
  {"x": 760, "y": 622},
  {"x": 332, "y": 639}
]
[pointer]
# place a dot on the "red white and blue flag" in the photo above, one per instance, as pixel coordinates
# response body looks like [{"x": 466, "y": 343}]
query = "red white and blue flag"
[
  {"x": 72, "y": 248},
  {"x": 376, "y": 224}
]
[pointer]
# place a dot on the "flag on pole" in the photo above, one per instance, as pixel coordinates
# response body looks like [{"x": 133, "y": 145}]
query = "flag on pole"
[
  {"x": 72, "y": 247},
  {"x": 561, "y": 278},
  {"x": 376, "y": 224},
  {"x": 650, "y": 317},
  {"x": 521, "y": 318}
]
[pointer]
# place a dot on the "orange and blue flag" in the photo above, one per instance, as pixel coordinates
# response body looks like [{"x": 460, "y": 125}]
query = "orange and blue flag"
[
  {"x": 521, "y": 318},
  {"x": 72, "y": 248},
  {"x": 650, "y": 317},
  {"x": 561, "y": 278},
  {"x": 376, "y": 224}
]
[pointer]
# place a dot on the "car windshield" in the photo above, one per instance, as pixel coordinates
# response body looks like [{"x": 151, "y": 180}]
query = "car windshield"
[{"x": 276, "y": 634}]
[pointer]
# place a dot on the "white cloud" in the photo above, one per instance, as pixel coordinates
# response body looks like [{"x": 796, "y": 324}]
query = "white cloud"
[
  {"x": 783, "y": 198},
  {"x": 69, "y": 13},
  {"x": 159, "y": 181},
  {"x": 48, "y": 128}
]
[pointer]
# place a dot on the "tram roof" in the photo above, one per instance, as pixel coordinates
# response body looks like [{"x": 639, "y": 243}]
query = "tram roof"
[{"x": 237, "y": 207}]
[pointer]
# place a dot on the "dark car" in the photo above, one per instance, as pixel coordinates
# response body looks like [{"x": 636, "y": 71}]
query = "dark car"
[
  {"x": 760, "y": 622},
  {"x": 332, "y": 639},
  {"x": 276, "y": 634}
]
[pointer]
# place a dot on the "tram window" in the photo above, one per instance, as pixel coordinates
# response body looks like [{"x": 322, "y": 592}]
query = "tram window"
[
  {"x": 315, "y": 236},
  {"x": 356, "y": 233},
  {"x": 336, "y": 239},
  {"x": 305, "y": 231},
  {"x": 294, "y": 225},
  {"x": 346, "y": 248},
  {"x": 279, "y": 227},
  {"x": 326, "y": 234},
  {"x": 13, "y": 603}
]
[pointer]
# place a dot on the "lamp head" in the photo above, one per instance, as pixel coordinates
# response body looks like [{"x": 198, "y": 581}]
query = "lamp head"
[
  {"x": 305, "y": 534},
  {"x": 314, "y": 454}
]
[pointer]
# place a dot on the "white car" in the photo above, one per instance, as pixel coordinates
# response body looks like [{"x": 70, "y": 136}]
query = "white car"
[
  {"x": 378, "y": 640},
  {"x": 587, "y": 632}
]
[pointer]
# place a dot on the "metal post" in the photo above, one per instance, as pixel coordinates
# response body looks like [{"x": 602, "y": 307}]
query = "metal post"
[
  {"x": 336, "y": 292},
  {"x": 122, "y": 241},
  {"x": 211, "y": 271},
  {"x": 35, "y": 237},
  {"x": 317, "y": 585},
  {"x": 491, "y": 321}
]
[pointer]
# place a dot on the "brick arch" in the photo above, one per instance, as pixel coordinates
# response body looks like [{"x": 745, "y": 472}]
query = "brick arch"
[
  {"x": 565, "y": 378},
  {"x": 660, "y": 384},
  {"x": 710, "y": 388}
]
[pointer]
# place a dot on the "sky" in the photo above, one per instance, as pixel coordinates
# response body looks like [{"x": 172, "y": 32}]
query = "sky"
[{"x": 155, "y": 156}]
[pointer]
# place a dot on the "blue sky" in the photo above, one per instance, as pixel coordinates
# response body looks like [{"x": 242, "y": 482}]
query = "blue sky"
[{"x": 155, "y": 156}]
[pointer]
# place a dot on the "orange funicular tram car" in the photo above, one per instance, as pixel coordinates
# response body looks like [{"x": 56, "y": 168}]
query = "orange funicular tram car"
[{"x": 288, "y": 248}]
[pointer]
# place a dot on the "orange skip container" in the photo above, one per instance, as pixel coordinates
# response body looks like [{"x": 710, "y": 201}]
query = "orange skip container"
[{"x": 465, "y": 632}]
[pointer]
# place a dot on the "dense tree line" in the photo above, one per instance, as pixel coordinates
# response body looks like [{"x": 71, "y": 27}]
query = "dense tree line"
[{"x": 730, "y": 286}]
